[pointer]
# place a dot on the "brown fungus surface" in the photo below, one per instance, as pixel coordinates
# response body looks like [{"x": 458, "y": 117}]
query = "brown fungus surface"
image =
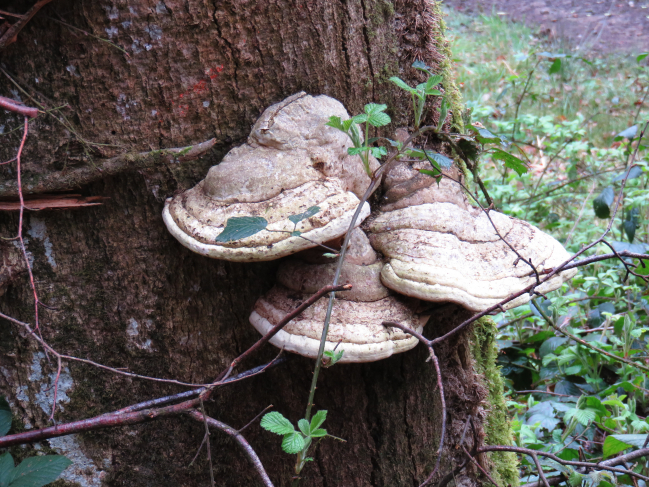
[
  {"x": 291, "y": 162},
  {"x": 357, "y": 317},
  {"x": 440, "y": 248}
]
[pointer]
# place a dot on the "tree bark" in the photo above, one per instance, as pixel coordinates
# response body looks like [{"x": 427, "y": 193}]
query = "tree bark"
[{"x": 123, "y": 292}]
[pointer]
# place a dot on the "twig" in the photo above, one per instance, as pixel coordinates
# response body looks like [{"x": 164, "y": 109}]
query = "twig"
[
  {"x": 474, "y": 461},
  {"x": 207, "y": 443},
  {"x": 255, "y": 418},
  {"x": 544, "y": 392},
  {"x": 540, "y": 469},
  {"x": 234, "y": 434},
  {"x": 12, "y": 32},
  {"x": 13, "y": 106},
  {"x": 108, "y": 167}
]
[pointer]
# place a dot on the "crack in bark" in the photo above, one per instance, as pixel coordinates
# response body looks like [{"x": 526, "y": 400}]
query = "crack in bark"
[{"x": 366, "y": 37}]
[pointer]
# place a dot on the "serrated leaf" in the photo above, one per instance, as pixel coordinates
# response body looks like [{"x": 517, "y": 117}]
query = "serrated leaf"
[
  {"x": 613, "y": 446},
  {"x": 402, "y": 84},
  {"x": 642, "y": 56},
  {"x": 303, "y": 424},
  {"x": 6, "y": 467},
  {"x": 293, "y": 443},
  {"x": 634, "y": 172},
  {"x": 374, "y": 108},
  {"x": 433, "y": 81},
  {"x": 239, "y": 227},
  {"x": 354, "y": 151},
  {"x": 319, "y": 433},
  {"x": 336, "y": 123},
  {"x": 628, "y": 133},
  {"x": 347, "y": 123},
  {"x": 555, "y": 67},
  {"x": 443, "y": 112},
  {"x": 512, "y": 162},
  {"x": 317, "y": 419},
  {"x": 551, "y": 344},
  {"x": 379, "y": 119},
  {"x": 276, "y": 423},
  {"x": 484, "y": 136},
  {"x": 379, "y": 152},
  {"x": 5, "y": 417},
  {"x": 38, "y": 471},
  {"x": 360, "y": 118},
  {"x": 295, "y": 219},
  {"x": 583, "y": 416},
  {"x": 602, "y": 204},
  {"x": 575, "y": 479}
]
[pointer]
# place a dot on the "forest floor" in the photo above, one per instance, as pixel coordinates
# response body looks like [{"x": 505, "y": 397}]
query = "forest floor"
[{"x": 596, "y": 27}]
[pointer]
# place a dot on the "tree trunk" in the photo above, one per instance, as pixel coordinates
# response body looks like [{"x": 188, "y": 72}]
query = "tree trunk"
[{"x": 123, "y": 292}]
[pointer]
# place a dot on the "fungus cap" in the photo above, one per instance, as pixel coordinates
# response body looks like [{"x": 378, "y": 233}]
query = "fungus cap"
[
  {"x": 357, "y": 317},
  {"x": 443, "y": 249},
  {"x": 291, "y": 163}
]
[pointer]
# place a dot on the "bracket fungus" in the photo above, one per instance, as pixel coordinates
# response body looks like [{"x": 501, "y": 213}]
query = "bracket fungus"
[
  {"x": 440, "y": 248},
  {"x": 291, "y": 165},
  {"x": 357, "y": 317}
]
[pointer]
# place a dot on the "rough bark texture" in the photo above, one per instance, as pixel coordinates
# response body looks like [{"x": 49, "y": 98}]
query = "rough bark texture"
[{"x": 125, "y": 293}]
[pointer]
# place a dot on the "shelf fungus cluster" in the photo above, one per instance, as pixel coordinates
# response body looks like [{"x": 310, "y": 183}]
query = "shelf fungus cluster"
[{"x": 294, "y": 174}]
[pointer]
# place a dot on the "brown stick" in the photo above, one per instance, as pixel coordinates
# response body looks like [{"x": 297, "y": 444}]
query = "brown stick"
[
  {"x": 10, "y": 36},
  {"x": 14, "y": 106}
]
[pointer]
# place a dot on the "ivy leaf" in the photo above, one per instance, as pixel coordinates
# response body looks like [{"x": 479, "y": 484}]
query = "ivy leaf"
[
  {"x": 303, "y": 424},
  {"x": 317, "y": 419},
  {"x": 512, "y": 162},
  {"x": 293, "y": 443},
  {"x": 295, "y": 219},
  {"x": 276, "y": 423},
  {"x": 5, "y": 417},
  {"x": 379, "y": 152},
  {"x": 602, "y": 204},
  {"x": 239, "y": 227},
  {"x": 38, "y": 471}
]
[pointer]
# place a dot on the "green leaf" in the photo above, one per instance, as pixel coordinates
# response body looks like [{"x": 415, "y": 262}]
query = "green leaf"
[
  {"x": 276, "y": 423},
  {"x": 484, "y": 136},
  {"x": 512, "y": 162},
  {"x": 336, "y": 123},
  {"x": 440, "y": 159},
  {"x": 551, "y": 344},
  {"x": 5, "y": 417},
  {"x": 613, "y": 446},
  {"x": 38, "y": 471},
  {"x": 374, "y": 108},
  {"x": 6, "y": 468},
  {"x": 443, "y": 112},
  {"x": 435, "y": 174},
  {"x": 602, "y": 204},
  {"x": 360, "y": 118},
  {"x": 239, "y": 227},
  {"x": 433, "y": 81},
  {"x": 642, "y": 56},
  {"x": 354, "y": 151},
  {"x": 303, "y": 424},
  {"x": 379, "y": 119},
  {"x": 634, "y": 172},
  {"x": 347, "y": 123},
  {"x": 421, "y": 66},
  {"x": 575, "y": 479},
  {"x": 379, "y": 152},
  {"x": 469, "y": 148},
  {"x": 317, "y": 419},
  {"x": 319, "y": 433},
  {"x": 555, "y": 67},
  {"x": 583, "y": 416},
  {"x": 402, "y": 84},
  {"x": 293, "y": 443},
  {"x": 630, "y": 224},
  {"x": 295, "y": 219}
]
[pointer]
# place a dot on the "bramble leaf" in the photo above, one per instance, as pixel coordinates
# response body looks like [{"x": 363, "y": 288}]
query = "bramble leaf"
[
  {"x": 317, "y": 419},
  {"x": 379, "y": 119},
  {"x": 443, "y": 112},
  {"x": 276, "y": 423},
  {"x": 373, "y": 108},
  {"x": 303, "y": 424},
  {"x": 354, "y": 151},
  {"x": 38, "y": 471},
  {"x": 239, "y": 227},
  {"x": 5, "y": 417},
  {"x": 319, "y": 433},
  {"x": 336, "y": 123},
  {"x": 602, "y": 204},
  {"x": 379, "y": 152},
  {"x": 295, "y": 219},
  {"x": 555, "y": 67},
  {"x": 402, "y": 84},
  {"x": 293, "y": 443},
  {"x": 512, "y": 162},
  {"x": 360, "y": 118},
  {"x": 420, "y": 65}
]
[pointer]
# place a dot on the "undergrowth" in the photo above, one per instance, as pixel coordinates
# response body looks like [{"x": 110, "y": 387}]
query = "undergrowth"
[{"x": 573, "y": 116}]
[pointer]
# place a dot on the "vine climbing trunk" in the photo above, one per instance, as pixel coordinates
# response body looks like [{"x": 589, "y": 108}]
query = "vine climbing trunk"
[{"x": 122, "y": 77}]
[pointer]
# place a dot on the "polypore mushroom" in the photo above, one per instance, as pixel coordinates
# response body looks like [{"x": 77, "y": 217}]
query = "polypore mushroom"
[
  {"x": 440, "y": 248},
  {"x": 292, "y": 164},
  {"x": 356, "y": 321}
]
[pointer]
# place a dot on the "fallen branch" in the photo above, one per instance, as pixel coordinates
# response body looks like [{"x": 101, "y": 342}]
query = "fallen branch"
[
  {"x": 64, "y": 181},
  {"x": 54, "y": 202}
]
